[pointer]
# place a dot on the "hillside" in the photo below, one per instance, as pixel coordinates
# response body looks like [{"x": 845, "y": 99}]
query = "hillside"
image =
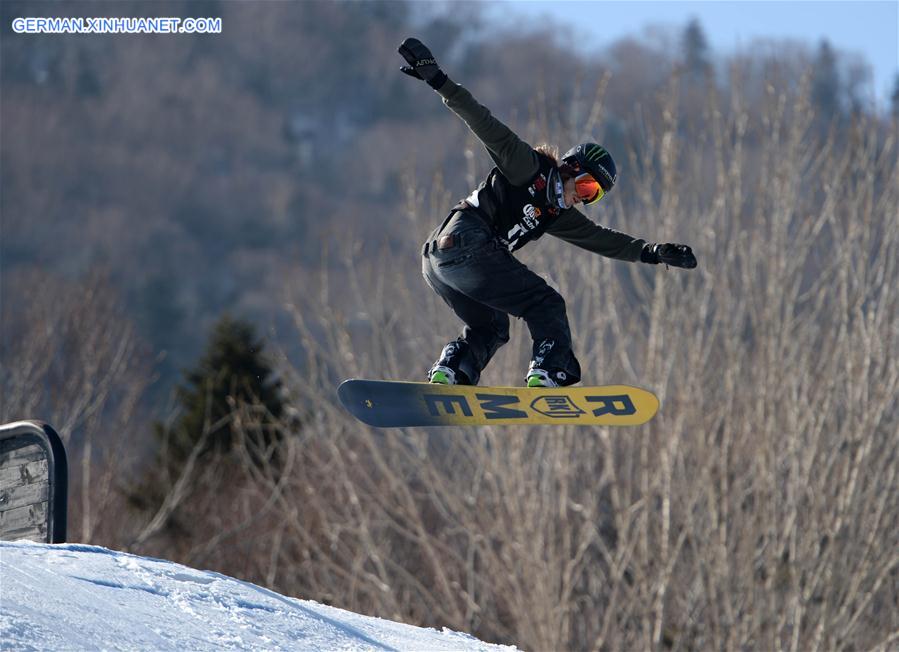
[{"x": 72, "y": 596}]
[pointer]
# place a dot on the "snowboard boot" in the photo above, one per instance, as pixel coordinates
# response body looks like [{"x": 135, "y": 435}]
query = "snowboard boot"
[
  {"x": 448, "y": 368},
  {"x": 540, "y": 378},
  {"x": 440, "y": 375}
]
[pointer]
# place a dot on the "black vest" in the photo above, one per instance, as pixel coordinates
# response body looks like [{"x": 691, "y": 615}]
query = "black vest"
[{"x": 517, "y": 214}]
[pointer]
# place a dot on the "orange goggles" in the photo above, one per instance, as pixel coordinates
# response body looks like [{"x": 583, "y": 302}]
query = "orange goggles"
[{"x": 588, "y": 189}]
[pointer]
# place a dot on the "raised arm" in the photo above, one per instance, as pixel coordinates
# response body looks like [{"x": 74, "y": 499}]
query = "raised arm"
[{"x": 515, "y": 158}]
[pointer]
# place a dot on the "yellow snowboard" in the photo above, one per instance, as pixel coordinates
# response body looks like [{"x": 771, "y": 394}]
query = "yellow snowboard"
[{"x": 395, "y": 404}]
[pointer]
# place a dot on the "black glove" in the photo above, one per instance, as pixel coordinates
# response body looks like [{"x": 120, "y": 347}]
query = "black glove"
[
  {"x": 676, "y": 255},
  {"x": 422, "y": 64}
]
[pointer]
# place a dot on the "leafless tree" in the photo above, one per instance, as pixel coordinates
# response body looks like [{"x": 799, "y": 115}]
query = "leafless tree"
[{"x": 70, "y": 357}]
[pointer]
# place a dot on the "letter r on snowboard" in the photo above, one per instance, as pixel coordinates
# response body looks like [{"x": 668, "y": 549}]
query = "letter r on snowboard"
[{"x": 620, "y": 405}]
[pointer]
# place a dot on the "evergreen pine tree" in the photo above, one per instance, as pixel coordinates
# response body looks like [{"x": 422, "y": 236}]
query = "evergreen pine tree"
[
  {"x": 696, "y": 49},
  {"x": 894, "y": 99},
  {"x": 232, "y": 374},
  {"x": 233, "y": 371},
  {"x": 826, "y": 83}
]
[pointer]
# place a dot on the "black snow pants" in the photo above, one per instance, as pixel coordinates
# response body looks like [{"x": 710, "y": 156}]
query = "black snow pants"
[{"x": 467, "y": 265}]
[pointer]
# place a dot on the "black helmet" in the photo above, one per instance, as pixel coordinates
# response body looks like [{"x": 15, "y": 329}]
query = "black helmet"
[{"x": 595, "y": 161}]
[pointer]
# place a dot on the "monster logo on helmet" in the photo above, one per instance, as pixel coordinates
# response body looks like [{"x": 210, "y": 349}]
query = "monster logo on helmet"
[{"x": 595, "y": 161}]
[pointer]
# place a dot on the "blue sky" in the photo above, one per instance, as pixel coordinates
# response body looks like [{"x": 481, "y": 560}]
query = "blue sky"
[{"x": 870, "y": 29}]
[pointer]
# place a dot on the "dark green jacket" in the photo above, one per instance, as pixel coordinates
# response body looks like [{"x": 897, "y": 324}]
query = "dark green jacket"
[{"x": 518, "y": 162}]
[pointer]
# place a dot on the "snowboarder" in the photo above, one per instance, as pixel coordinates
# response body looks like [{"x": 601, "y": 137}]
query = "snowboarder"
[{"x": 468, "y": 259}]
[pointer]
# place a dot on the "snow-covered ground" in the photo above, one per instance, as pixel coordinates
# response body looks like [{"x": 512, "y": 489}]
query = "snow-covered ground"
[{"x": 69, "y": 596}]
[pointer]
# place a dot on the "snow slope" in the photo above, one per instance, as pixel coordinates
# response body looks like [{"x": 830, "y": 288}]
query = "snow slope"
[{"x": 64, "y": 597}]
